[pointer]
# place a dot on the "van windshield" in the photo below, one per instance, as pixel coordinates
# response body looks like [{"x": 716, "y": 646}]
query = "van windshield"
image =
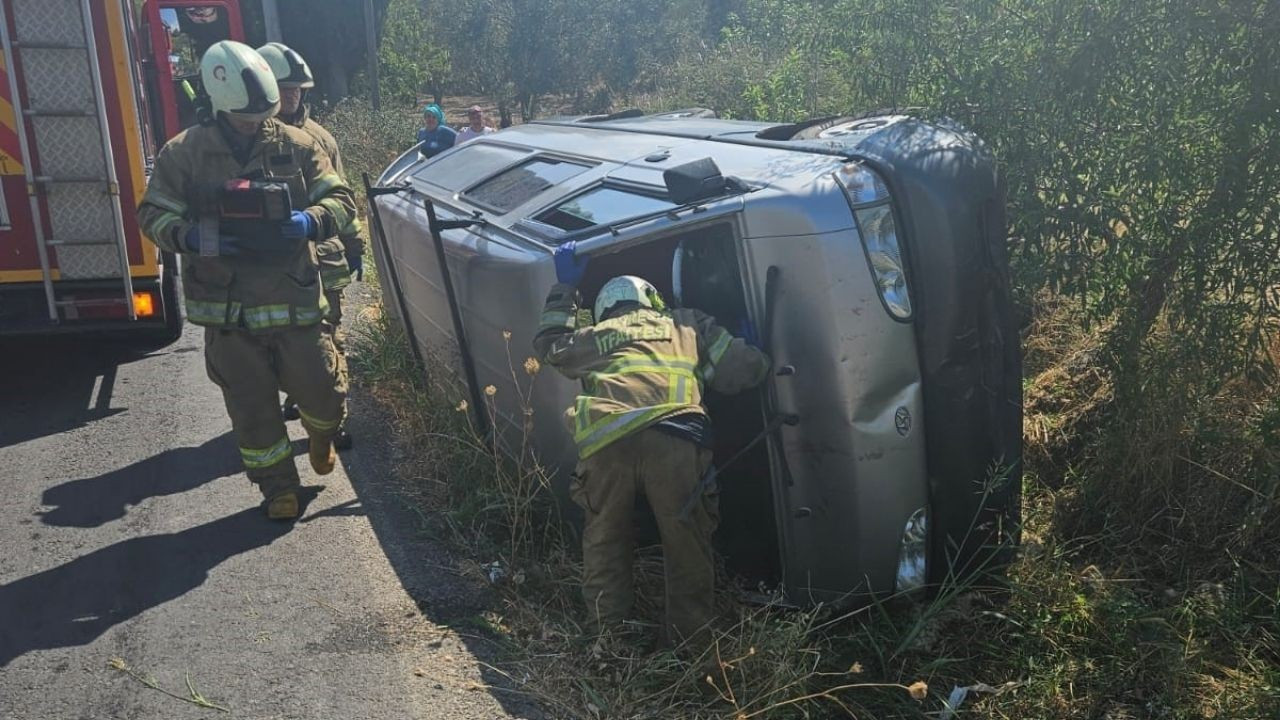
[
  {"x": 602, "y": 205},
  {"x": 514, "y": 187}
]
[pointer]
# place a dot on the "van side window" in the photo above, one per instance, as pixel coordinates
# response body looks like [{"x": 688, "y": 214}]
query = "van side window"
[
  {"x": 514, "y": 187},
  {"x": 466, "y": 165},
  {"x": 602, "y": 205}
]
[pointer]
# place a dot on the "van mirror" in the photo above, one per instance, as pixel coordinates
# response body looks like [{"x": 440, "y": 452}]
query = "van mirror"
[{"x": 694, "y": 181}]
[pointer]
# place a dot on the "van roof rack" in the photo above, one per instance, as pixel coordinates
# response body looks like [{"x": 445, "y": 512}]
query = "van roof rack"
[
  {"x": 627, "y": 114},
  {"x": 788, "y": 131}
]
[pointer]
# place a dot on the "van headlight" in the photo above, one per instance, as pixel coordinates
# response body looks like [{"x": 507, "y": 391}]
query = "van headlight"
[
  {"x": 873, "y": 211},
  {"x": 913, "y": 552}
]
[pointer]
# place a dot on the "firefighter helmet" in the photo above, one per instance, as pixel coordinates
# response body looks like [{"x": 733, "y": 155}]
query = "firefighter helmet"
[
  {"x": 287, "y": 65},
  {"x": 239, "y": 82},
  {"x": 627, "y": 289}
]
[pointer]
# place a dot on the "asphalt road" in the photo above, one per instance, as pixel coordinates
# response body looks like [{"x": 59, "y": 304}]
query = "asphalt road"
[{"x": 129, "y": 533}]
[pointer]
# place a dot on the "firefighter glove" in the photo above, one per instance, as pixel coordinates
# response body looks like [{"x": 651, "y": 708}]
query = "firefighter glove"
[
  {"x": 569, "y": 267},
  {"x": 225, "y": 246},
  {"x": 355, "y": 263},
  {"x": 300, "y": 226},
  {"x": 747, "y": 331}
]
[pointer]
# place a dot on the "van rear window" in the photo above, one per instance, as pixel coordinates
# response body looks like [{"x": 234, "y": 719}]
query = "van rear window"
[
  {"x": 600, "y": 206},
  {"x": 514, "y": 187}
]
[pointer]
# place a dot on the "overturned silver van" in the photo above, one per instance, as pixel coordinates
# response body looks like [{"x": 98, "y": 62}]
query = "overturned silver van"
[{"x": 870, "y": 253}]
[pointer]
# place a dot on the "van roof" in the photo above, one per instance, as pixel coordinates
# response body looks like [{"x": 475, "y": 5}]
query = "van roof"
[
  {"x": 843, "y": 138},
  {"x": 631, "y": 151}
]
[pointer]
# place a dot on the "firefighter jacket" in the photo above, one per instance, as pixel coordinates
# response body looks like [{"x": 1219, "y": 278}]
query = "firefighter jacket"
[
  {"x": 252, "y": 291},
  {"x": 332, "y": 251},
  {"x": 640, "y": 366}
]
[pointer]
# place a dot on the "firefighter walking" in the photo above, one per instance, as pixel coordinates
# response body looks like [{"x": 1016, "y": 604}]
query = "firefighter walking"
[
  {"x": 641, "y": 429},
  {"x": 254, "y": 284},
  {"x": 342, "y": 255}
]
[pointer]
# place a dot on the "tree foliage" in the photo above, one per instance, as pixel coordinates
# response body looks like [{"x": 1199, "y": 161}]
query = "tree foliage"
[
  {"x": 1140, "y": 139},
  {"x": 330, "y": 34}
]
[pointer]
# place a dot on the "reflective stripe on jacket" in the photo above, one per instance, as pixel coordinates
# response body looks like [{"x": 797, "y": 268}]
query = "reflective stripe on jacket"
[
  {"x": 640, "y": 366},
  {"x": 251, "y": 291}
]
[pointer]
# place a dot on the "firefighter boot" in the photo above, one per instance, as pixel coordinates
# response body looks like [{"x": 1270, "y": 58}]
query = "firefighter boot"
[
  {"x": 322, "y": 455},
  {"x": 343, "y": 440},
  {"x": 283, "y": 506},
  {"x": 290, "y": 409}
]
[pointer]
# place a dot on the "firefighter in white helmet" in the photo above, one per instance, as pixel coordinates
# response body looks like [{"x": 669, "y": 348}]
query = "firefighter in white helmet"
[
  {"x": 250, "y": 276},
  {"x": 341, "y": 256},
  {"x": 641, "y": 430}
]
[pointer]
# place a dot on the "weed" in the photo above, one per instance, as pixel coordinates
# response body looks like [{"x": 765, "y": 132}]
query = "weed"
[{"x": 193, "y": 696}]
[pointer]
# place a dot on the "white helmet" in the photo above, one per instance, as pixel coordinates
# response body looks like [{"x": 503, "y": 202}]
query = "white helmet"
[
  {"x": 287, "y": 65},
  {"x": 239, "y": 81},
  {"x": 627, "y": 288}
]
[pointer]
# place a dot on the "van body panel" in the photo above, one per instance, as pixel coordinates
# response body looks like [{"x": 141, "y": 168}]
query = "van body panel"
[
  {"x": 851, "y": 479},
  {"x": 952, "y": 204},
  {"x": 500, "y": 286}
]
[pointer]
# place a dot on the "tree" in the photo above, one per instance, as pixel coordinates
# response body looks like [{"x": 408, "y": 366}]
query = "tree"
[
  {"x": 330, "y": 34},
  {"x": 411, "y": 60}
]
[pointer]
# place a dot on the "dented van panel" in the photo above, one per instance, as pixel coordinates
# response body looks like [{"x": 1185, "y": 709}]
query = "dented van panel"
[{"x": 849, "y": 467}]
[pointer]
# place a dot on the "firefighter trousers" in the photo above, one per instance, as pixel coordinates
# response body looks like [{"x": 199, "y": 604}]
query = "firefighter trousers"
[
  {"x": 666, "y": 470},
  {"x": 252, "y": 369},
  {"x": 334, "y": 327}
]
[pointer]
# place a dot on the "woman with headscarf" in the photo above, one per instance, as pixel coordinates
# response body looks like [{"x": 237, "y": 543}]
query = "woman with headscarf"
[{"x": 434, "y": 137}]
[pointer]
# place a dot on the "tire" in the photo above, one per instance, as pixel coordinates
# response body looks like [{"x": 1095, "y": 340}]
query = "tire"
[{"x": 169, "y": 298}]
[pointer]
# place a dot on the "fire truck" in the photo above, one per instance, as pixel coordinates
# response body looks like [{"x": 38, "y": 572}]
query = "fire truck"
[{"x": 91, "y": 89}]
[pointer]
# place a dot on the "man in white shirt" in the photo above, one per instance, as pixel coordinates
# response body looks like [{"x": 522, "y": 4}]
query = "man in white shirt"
[{"x": 476, "y": 128}]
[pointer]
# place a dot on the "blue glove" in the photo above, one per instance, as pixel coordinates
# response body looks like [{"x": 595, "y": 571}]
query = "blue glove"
[
  {"x": 747, "y": 331},
  {"x": 569, "y": 267},
  {"x": 228, "y": 245},
  {"x": 300, "y": 226},
  {"x": 355, "y": 263}
]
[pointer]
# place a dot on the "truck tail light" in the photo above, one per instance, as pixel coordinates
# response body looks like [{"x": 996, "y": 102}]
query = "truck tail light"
[
  {"x": 873, "y": 210},
  {"x": 144, "y": 304}
]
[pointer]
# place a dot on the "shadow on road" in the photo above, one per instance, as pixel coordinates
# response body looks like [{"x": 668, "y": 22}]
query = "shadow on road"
[
  {"x": 75, "y": 603},
  {"x": 95, "y": 501},
  {"x": 47, "y": 385}
]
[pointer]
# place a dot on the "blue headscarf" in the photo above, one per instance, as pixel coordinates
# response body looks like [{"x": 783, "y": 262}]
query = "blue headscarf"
[{"x": 434, "y": 109}]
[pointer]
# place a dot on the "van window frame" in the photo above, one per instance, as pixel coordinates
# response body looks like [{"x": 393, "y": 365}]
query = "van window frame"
[
  {"x": 555, "y": 235},
  {"x": 465, "y": 194},
  {"x": 419, "y": 162}
]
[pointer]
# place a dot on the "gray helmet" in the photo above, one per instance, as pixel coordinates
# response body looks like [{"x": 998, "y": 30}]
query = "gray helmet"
[
  {"x": 287, "y": 65},
  {"x": 627, "y": 288}
]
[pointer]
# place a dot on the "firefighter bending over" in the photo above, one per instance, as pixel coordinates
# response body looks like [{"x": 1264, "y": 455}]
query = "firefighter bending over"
[
  {"x": 223, "y": 194},
  {"x": 641, "y": 429},
  {"x": 342, "y": 255}
]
